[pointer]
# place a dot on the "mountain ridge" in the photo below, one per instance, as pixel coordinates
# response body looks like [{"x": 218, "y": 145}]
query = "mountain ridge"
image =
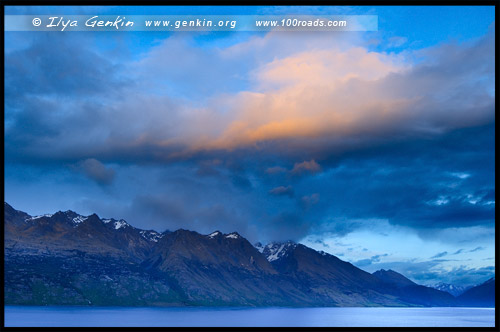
[{"x": 67, "y": 258}]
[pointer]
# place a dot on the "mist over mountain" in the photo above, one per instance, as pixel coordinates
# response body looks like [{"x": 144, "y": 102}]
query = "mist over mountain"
[{"x": 66, "y": 258}]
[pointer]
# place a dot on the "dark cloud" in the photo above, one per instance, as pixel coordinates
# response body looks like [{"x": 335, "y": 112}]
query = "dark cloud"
[
  {"x": 287, "y": 226},
  {"x": 368, "y": 261},
  {"x": 406, "y": 182},
  {"x": 363, "y": 262},
  {"x": 342, "y": 227},
  {"x": 310, "y": 200},
  {"x": 275, "y": 170},
  {"x": 325, "y": 245},
  {"x": 476, "y": 249},
  {"x": 241, "y": 181},
  {"x": 208, "y": 167},
  {"x": 282, "y": 191},
  {"x": 163, "y": 212},
  {"x": 54, "y": 65},
  {"x": 97, "y": 171},
  {"x": 306, "y": 166},
  {"x": 376, "y": 258},
  {"x": 359, "y": 191}
]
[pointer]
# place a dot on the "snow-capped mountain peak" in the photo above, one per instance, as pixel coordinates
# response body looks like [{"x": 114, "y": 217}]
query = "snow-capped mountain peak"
[
  {"x": 233, "y": 235},
  {"x": 214, "y": 234},
  {"x": 38, "y": 217},
  {"x": 454, "y": 290},
  {"x": 275, "y": 250},
  {"x": 259, "y": 246},
  {"x": 120, "y": 224},
  {"x": 116, "y": 224},
  {"x": 151, "y": 235},
  {"x": 79, "y": 219}
]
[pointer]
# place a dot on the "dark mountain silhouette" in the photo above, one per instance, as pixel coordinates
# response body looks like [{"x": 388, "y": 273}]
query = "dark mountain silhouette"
[
  {"x": 67, "y": 258},
  {"x": 407, "y": 290},
  {"x": 482, "y": 295}
]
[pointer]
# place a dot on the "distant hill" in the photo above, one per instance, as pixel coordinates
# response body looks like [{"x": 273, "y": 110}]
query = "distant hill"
[
  {"x": 454, "y": 290},
  {"x": 482, "y": 295},
  {"x": 411, "y": 292}
]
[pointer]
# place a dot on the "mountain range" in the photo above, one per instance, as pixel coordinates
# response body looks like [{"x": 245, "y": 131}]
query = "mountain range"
[
  {"x": 69, "y": 259},
  {"x": 454, "y": 290}
]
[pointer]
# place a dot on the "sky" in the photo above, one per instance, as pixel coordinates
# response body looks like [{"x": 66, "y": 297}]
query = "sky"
[{"x": 377, "y": 147}]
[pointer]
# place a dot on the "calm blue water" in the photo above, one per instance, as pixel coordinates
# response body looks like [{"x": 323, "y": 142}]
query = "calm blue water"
[{"x": 339, "y": 317}]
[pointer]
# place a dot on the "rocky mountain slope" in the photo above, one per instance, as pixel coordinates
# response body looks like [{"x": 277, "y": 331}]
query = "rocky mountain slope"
[{"x": 67, "y": 258}]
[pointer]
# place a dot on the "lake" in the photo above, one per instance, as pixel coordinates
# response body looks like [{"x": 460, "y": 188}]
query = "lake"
[{"x": 254, "y": 317}]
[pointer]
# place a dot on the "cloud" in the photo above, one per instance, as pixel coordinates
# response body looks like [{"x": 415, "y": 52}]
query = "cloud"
[
  {"x": 459, "y": 175},
  {"x": 376, "y": 258},
  {"x": 309, "y": 95},
  {"x": 275, "y": 170},
  {"x": 309, "y": 201},
  {"x": 462, "y": 234},
  {"x": 300, "y": 101},
  {"x": 369, "y": 261},
  {"x": 476, "y": 249},
  {"x": 282, "y": 191},
  {"x": 370, "y": 191},
  {"x": 306, "y": 166},
  {"x": 97, "y": 171},
  {"x": 59, "y": 66},
  {"x": 441, "y": 254},
  {"x": 163, "y": 212},
  {"x": 432, "y": 272},
  {"x": 287, "y": 226},
  {"x": 241, "y": 181},
  {"x": 325, "y": 245},
  {"x": 208, "y": 167},
  {"x": 363, "y": 262}
]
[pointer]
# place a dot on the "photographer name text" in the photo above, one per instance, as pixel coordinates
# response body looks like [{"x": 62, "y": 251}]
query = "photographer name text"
[{"x": 93, "y": 22}]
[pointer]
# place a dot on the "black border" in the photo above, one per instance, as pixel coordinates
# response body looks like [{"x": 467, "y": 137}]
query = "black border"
[{"x": 5, "y": 3}]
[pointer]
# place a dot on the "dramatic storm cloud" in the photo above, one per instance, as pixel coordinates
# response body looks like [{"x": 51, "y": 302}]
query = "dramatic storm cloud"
[
  {"x": 304, "y": 103},
  {"x": 368, "y": 145}
]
